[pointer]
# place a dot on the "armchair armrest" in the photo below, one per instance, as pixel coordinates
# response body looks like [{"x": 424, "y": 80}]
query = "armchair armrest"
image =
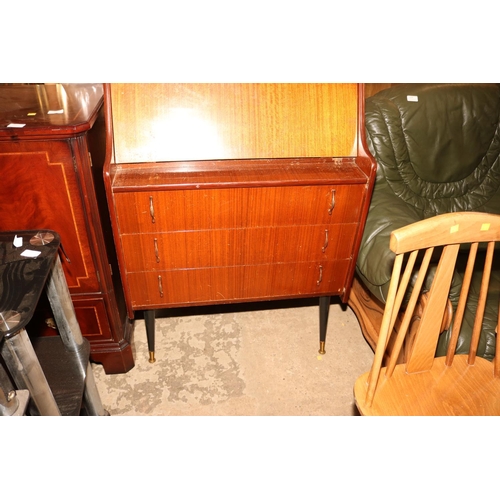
[{"x": 375, "y": 259}]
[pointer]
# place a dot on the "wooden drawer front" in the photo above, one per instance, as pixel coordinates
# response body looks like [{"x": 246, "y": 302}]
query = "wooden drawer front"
[
  {"x": 236, "y": 247},
  {"x": 232, "y": 284},
  {"x": 190, "y": 210}
]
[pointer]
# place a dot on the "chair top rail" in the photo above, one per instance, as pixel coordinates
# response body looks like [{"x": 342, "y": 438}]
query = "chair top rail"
[{"x": 446, "y": 229}]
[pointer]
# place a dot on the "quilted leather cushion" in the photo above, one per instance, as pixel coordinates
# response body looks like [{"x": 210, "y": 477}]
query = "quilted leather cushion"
[{"x": 438, "y": 145}]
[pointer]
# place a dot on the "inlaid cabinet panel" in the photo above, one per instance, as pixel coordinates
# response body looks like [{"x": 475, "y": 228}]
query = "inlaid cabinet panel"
[{"x": 42, "y": 170}]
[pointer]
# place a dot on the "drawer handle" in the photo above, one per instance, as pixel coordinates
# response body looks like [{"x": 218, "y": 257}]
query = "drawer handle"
[
  {"x": 157, "y": 254},
  {"x": 320, "y": 278},
  {"x": 152, "y": 210},
  {"x": 160, "y": 286},
  {"x": 332, "y": 204},
  {"x": 326, "y": 241}
]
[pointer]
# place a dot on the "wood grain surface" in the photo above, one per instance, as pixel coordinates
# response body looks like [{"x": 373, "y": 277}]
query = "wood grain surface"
[{"x": 180, "y": 121}]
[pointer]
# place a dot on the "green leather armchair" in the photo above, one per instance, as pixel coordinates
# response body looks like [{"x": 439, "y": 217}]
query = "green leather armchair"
[{"x": 437, "y": 149}]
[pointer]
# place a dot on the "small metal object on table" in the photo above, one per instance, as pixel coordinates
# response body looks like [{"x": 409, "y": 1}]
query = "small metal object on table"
[{"x": 54, "y": 370}]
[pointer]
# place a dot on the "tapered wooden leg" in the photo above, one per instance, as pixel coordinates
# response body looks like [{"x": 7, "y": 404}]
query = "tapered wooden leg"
[
  {"x": 149, "y": 318},
  {"x": 324, "y": 309}
]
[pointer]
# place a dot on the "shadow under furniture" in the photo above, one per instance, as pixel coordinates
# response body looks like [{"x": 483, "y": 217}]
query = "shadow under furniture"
[{"x": 437, "y": 150}]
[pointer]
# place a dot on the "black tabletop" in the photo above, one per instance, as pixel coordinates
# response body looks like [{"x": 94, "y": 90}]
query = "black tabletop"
[{"x": 26, "y": 258}]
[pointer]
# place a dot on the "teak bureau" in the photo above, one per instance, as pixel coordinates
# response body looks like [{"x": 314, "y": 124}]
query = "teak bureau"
[{"x": 225, "y": 193}]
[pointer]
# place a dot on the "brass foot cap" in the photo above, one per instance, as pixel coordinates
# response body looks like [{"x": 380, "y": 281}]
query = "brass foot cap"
[
  {"x": 322, "y": 348},
  {"x": 152, "y": 357}
]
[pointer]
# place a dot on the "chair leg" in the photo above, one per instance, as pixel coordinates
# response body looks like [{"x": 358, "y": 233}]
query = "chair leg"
[
  {"x": 149, "y": 318},
  {"x": 324, "y": 309}
]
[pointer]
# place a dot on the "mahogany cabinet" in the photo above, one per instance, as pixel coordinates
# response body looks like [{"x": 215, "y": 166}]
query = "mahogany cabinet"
[
  {"x": 52, "y": 148},
  {"x": 225, "y": 193}
]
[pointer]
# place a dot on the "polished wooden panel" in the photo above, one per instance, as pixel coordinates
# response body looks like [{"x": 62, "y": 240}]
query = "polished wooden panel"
[
  {"x": 241, "y": 173},
  {"x": 236, "y": 284},
  {"x": 236, "y": 208},
  {"x": 37, "y": 181},
  {"x": 237, "y": 247},
  {"x": 182, "y": 121},
  {"x": 62, "y": 109}
]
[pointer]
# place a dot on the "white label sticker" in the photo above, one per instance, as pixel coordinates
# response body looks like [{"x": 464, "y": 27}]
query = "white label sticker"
[
  {"x": 16, "y": 125},
  {"x": 31, "y": 253},
  {"x": 55, "y": 112},
  {"x": 412, "y": 98}
]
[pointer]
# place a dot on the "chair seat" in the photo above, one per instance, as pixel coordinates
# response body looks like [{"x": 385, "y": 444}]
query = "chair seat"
[{"x": 456, "y": 390}]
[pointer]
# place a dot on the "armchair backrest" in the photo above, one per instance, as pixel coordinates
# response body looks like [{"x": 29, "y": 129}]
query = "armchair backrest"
[{"x": 437, "y": 145}]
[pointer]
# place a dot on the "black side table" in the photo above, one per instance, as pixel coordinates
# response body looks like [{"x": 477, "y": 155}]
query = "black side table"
[{"x": 55, "y": 370}]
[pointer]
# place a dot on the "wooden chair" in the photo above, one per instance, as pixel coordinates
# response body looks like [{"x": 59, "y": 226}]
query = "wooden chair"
[{"x": 428, "y": 385}]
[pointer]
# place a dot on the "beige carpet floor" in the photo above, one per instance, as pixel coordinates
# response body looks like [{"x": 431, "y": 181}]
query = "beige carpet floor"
[{"x": 254, "y": 359}]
